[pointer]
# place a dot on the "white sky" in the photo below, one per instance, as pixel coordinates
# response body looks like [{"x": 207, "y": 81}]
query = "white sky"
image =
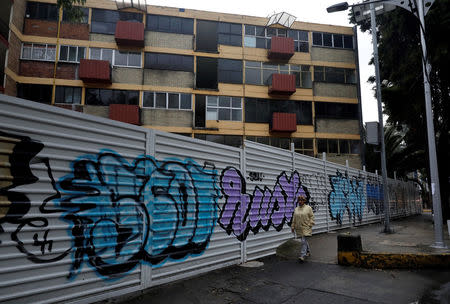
[{"x": 307, "y": 11}]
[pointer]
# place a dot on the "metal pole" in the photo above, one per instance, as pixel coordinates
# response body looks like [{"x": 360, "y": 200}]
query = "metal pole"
[
  {"x": 435, "y": 189},
  {"x": 373, "y": 21}
]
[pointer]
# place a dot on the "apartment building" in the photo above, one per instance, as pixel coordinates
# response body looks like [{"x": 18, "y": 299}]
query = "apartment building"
[{"x": 212, "y": 76}]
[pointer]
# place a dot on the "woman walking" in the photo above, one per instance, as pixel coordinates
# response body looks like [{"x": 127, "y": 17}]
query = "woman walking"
[{"x": 302, "y": 223}]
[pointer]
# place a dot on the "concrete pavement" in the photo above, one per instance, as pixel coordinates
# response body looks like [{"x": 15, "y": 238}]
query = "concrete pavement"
[{"x": 320, "y": 279}]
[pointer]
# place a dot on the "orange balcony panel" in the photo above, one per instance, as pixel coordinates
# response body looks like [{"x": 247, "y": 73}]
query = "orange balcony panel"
[
  {"x": 94, "y": 71},
  {"x": 124, "y": 113},
  {"x": 282, "y": 84},
  {"x": 281, "y": 48},
  {"x": 284, "y": 122},
  {"x": 130, "y": 33}
]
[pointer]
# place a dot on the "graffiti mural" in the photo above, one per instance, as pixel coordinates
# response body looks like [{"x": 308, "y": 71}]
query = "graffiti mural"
[
  {"x": 374, "y": 192},
  {"x": 122, "y": 213},
  {"x": 347, "y": 195},
  {"x": 243, "y": 212},
  {"x": 319, "y": 184}
]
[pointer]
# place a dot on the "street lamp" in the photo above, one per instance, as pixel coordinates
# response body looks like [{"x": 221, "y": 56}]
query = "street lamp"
[{"x": 419, "y": 9}]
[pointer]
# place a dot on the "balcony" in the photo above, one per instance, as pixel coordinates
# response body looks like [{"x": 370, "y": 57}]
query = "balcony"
[
  {"x": 281, "y": 48},
  {"x": 95, "y": 71},
  {"x": 283, "y": 122},
  {"x": 282, "y": 84},
  {"x": 129, "y": 33},
  {"x": 125, "y": 113}
]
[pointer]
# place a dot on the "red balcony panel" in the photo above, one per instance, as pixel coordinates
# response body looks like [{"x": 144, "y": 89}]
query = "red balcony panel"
[
  {"x": 130, "y": 33},
  {"x": 284, "y": 122},
  {"x": 281, "y": 48},
  {"x": 124, "y": 113},
  {"x": 283, "y": 84},
  {"x": 95, "y": 71}
]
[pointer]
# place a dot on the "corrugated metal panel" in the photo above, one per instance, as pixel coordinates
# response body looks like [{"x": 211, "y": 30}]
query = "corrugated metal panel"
[
  {"x": 94, "y": 71},
  {"x": 268, "y": 177},
  {"x": 284, "y": 122},
  {"x": 281, "y": 48},
  {"x": 129, "y": 33},
  {"x": 312, "y": 171},
  {"x": 124, "y": 113},
  {"x": 283, "y": 84},
  {"x": 92, "y": 208},
  {"x": 201, "y": 167},
  {"x": 56, "y": 226}
]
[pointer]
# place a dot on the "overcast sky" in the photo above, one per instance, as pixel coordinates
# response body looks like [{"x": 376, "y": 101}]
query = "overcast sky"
[{"x": 307, "y": 11}]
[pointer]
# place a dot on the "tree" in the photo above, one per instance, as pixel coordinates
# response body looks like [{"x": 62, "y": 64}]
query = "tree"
[
  {"x": 71, "y": 8},
  {"x": 403, "y": 96}
]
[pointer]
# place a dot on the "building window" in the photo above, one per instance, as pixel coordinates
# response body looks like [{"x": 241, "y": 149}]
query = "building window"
[
  {"x": 68, "y": 95},
  {"x": 229, "y": 140},
  {"x": 338, "y": 146},
  {"x": 259, "y": 37},
  {"x": 259, "y": 73},
  {"x": 206, "y": 77},
  {"x": 104, "y": 97},
  {"x": 68, "y": 17},
  {"x": 229, "y": 70},
  {"x": 34, "y": 51},
  {"x": 162, "y": 100},
  {"x": 42, "y": 11},
  {"x": 278, "y": 142},
  {"x": 333, "y": 40},
  {"x": 206, "y": 38},
  {"x": 35, "y": 92},
  {"x": 229, "y": 34},
  {"x": 104, "y": 21},
  {"x": 335, "y": 110},
  {"x": 334, "y": 75},
  {"x": 69, "y": 53},
  {"x": 223, "y": 108},
  {"x": 170, "y": 24},
  {"x": 301, "y": 41},
  {"x": 259, "y": 110},
  {"x": 162, "y": 61},
  {"x": 304, "y": 146},
  {"x": 116, "y": 57}
]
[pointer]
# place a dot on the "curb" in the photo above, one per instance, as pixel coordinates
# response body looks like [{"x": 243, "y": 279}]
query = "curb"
[{"x": 350, "y": 253}]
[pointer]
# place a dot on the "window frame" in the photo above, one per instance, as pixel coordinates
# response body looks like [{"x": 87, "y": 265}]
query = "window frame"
[
  {"x": 343, "y": 36},
  {"x": 218, "y": 107},
  {"x": 167, "y": 100},
  {"x": 31, "y": 52},
  {"x": 183, "y": 58},
  {"x": 347, "y": 74},
  {"x": 183, "y": 26},
  {"x": 77, "y": 58},
  {"x": 113, "y": 59},
  {"x": 292, "y": 69},
  {"x": 348, "y": 142},
  {"x": 39, "y": 7},
  {"x": 288, "y": 33},
  {"x": 64, "y": 94}
]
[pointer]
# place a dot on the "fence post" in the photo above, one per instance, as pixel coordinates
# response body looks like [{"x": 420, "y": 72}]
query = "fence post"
[
  {"x": 146, "y": 269},
  {"x": 324, "y": 158},
  {"x": 243, "y": 169}
]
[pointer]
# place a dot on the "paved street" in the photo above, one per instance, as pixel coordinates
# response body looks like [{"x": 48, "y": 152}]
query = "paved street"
[{"x": 319, "y": 280}]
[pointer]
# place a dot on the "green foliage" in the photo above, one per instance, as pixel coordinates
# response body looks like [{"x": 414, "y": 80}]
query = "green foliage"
[
  {"x": 401, "y": 65},
  {"x": 72, "y": 8}
]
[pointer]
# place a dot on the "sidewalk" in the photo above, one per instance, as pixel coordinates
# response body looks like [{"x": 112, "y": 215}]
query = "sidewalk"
[{"x": 320, "y": 279}]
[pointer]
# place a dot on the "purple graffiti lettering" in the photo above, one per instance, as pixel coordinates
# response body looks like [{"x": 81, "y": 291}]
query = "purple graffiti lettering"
[{"x": 243, "y": 212}]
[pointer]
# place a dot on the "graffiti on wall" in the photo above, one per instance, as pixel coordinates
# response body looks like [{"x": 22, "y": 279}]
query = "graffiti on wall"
[
  {"x": 347, "y": 195},
  {"x": 374, "y": 192},
  {"x": 318, "y": 183},
  {"x": 119, "y": 213},
  {"x": 244, "y": 212}
]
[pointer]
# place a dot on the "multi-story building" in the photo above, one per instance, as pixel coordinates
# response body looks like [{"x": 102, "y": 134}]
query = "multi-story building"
[{"x": 213, "y": 76}]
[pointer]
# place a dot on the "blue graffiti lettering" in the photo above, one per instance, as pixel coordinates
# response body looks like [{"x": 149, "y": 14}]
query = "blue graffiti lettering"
[{"x": 347, "y": 195}]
